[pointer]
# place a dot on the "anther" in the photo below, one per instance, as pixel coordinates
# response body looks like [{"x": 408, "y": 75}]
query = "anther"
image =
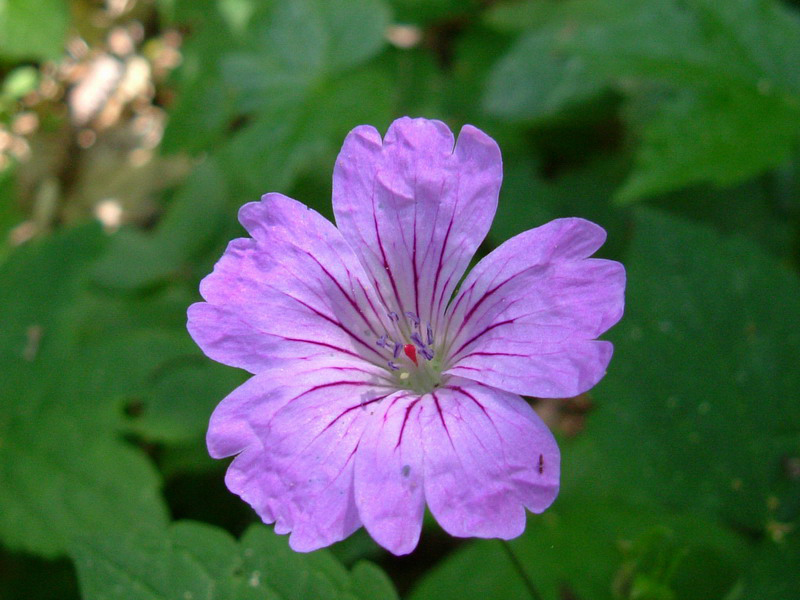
[
  {"x": 430, "y": 335},
  {"x": 414, "y": 319},
  {"x": 397, "y": 348},
  {"x": 393, "y": 365},
  {"x": 393, "y": 316},
  {"x": 417, "y": 340}
]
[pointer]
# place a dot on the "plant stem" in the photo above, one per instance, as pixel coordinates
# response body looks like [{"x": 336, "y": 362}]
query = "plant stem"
[{"x": 521, "y": 570}]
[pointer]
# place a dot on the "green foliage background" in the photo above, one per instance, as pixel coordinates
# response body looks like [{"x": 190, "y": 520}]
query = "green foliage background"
[{"x": 673, "y": 123}]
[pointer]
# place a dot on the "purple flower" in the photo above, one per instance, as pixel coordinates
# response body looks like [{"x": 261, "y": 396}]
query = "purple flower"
[{"x": 375, "y": 390}]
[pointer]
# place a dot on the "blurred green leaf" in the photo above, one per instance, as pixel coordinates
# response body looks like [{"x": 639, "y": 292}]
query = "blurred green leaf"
[
  {"x": 750, "y": 209},
  {"x": 33, "y": 28},
  {"x": 593, "y": 548},
  {"x": 298, "y": 42},
  {"x": 63, "y": 468},
  {"x": 19, "y": 82},
  {"x": 270, "y": 152},
  {"x": 704, "y": 377},
  {"x": 284, "y": 92},
  {"x": 737, "y": 109},
  {"x": 192, "y": 560},
  {"x": 425, "y": 12},
  {"x": 176, "y": 397},
  {"x": 774, "y": 573},
  {"x": 733, "y": 104},
  {"x": 528, "y": 200},
  {"x": 714, "y": 137},
  {"x": 137, "y": 259},
  {"x": 536, "y": 80},
  {"x": 10, "y": 215}
]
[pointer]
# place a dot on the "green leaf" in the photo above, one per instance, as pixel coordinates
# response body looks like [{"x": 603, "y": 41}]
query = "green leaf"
[
  {"x": 424, "y": 12},
  {"x": 192, "y": 560},
  {"x": 63, "y": 469},
  {"x": 727, "y": 105},
  {"x": 10, "y": 215},
  {"x": 774, "y": 573},
  {"x": 586, "y": 546},
  {"x": 711, "y": 137},
  {"x": 280, "y": 86},
  {"x": 33, "y": 28},
  {"x": 137, "y": 259},
  {"x": 703, "y": 379},
  {"x": 528, "y": 200},
  {"x": 274, "y": 149},
  {"x": 537, "y": 80},
  {"x": 297, "y": 45},
  {"x": 736, "y": 109},
  {"x": 177, "y": 394}
]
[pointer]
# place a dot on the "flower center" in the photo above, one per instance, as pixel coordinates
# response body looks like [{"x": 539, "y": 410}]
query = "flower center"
[{"x": 410, "y": 354}]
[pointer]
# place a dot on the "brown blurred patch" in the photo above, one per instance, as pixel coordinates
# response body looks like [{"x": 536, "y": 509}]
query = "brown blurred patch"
[
  {"x": 565, "y": 415},
  {"x": 85, "y": 140}
]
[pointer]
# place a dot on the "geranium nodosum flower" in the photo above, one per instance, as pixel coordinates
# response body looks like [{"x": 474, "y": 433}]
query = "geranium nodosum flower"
[{"x": 376, "y": 390}]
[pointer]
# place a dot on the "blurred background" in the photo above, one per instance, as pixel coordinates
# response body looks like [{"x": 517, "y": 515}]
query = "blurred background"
[{"x": 132, "y": 130}]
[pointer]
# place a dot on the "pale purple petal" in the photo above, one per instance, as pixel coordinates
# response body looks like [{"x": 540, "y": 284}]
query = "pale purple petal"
[
  {"x": 526, "y": 318},
  {"x": 488, "y": 456},
  {"x": 312, "y": 442},
  {"x": 297, "y": 432},
  {"x": 415, "y": 208},
  {"x": 388, "y": 482},
  {"x": 296, "y": 290},
  {"x": 240, "y": 422}
]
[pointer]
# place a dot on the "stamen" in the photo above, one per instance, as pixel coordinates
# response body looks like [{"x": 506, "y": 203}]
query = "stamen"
[
  {"x": 430, "y": 335},
  {"x": 393, "y": 365},
  {"x": 427, "y": 353},
  {"x": 393, "y": 316},
  {"x": 411, "y": 352},
  {"x": 397, "y": 348},
  {"x": 414, "y": 319},
  {"x": 417, "y": 340},
  {"x": 381, "y": 341}
]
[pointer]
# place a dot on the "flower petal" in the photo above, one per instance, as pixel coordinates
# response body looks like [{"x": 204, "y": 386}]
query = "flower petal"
[
  {"x": 242, "y": 423},
  {"x": 389, "y": 474},
  {"x": 296, "y": 290},
  {"x": 415, "y": 208},
  {"x": 527, "y": 316},
  {"x": 487, "y": 457},
  {"x": 311, "y": 445}
]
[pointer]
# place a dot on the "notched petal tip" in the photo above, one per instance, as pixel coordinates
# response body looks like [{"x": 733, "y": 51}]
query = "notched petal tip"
[
  {"x": 426, "y": 136},
  {"x": 475, "y": 146},
  {"x": 273, "y": 210},
  {"x": 575, "y": 238}
]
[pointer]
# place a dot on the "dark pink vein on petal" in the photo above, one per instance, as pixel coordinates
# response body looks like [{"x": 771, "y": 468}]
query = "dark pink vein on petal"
[
  {"x": 440, "y": 266},
  {"x": 486, "y": 295},
  {"x": 339, "y": 325},
  {"x": 323, "y": 344},
  {"x": 441, "y": 418},
  {"x": 323, "y": 386},
  {"x": 405, "y": 420},
  {"x": 352, "y": 301},
  {"x": 383, "y": 253},
  {"x": 354, "y": 407},
  {"x": 369, "y": 301},
  {"x": 481, "y": 334},
  {"x": 414, "y": 254}
]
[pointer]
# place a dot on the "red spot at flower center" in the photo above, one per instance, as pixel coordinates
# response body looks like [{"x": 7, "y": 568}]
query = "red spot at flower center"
[{"x": 411, "y": 352}]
